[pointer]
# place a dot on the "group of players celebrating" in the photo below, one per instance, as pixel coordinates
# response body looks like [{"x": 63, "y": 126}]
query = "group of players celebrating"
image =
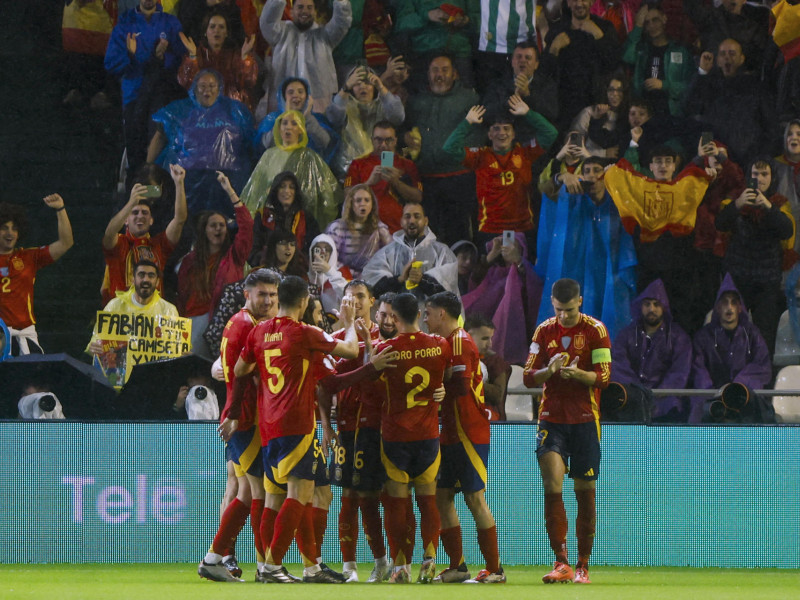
[{"x": 392, "y": 383}]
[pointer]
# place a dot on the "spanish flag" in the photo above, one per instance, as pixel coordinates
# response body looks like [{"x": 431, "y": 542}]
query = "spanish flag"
[
  {"x": 656, "y": 206},
  {"x": 86, "y": 27},
  {"x": 786, "y": 32}
]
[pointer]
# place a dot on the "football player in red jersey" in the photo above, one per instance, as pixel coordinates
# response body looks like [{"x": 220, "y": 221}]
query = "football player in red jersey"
[
  {"x": 465, "y": 447},
  {"x": 410, "y": 432},
  {"x": 283, "y": 350},
  {"x": 570, "y": 356},
  {"x": 243, "y": 442}
]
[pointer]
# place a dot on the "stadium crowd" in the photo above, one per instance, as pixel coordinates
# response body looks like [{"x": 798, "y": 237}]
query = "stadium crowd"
[{"x": 348, "y": 163}]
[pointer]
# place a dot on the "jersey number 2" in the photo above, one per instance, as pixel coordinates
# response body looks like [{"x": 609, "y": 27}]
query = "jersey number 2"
[{"x": 411, "y": 402}]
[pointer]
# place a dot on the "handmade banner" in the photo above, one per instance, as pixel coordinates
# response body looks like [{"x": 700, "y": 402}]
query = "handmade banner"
[{"x": 132, "y": 339}]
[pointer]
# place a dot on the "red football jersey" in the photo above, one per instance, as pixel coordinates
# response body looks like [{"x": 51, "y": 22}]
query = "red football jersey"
[
  {"x": 17, "y": 276},
  {"x": 463, "y": 416},
  {"x": 566, "y": 400},
  {"x": 503, "y": 185},
  {"x": 390, "y": 207},
  {"x": 285, "y": 353},
  {"x": 128, "y": 251},
  {"x": 351, "y": 413},
  {"x": 233, "y": 340},
  {"x": 409, "y": 412}
]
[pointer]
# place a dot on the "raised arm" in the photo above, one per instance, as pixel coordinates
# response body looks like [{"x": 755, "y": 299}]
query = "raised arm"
[
  {"x": 64, "y": 241},
  {"x": 175, "y": 226},
  {"x": 118, "y": 220}
]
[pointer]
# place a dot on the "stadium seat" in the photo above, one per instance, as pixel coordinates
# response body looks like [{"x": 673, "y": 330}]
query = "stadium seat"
[
  {"x": 519, "y": 407},
  {"x": 787, "y": 408},
  {"x": 787, "y": 351}
]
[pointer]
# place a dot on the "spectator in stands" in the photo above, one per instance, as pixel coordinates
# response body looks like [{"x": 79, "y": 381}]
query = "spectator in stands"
[
  {"x": 732, "y": 103},
  {"x": 620, "y": 13},
  {"x": 533, "y": 84},
  {"x": 359, "y": 233},
  {"x": 215, "y": 261},
  {"x": 586, "y": 51},
  {"x": 449, "y": 190},
  {"x": 728, "y": 349},
  {"x": 787, "y": 167},
  {"x": 85, "y": 30},
  {"x": 433, "y": 27},
  {"x": 509, "y": 295},
  {"x": 761, "y": 226},
  {"x": 468, "y": 259},
  {"x": 746, "y": 23},
  {"x": 321, "y": 191},
  {"x": 18, "y": 267},
  {"x": 393, "y": 186},
  {"x": 581, "y": 236},
  {"x": 414, "y": 261},
  {"x": 654, "y": 352},
  {"x": 293, "y": 95},
  {"x": 303, "y": 48},
  {"x": 395, "y": 76},
  {"x": 217, "y": 50},
  {"x": 659, "y": 209},
  {"x": 663, "y": 68},
  {"x": 193, "y": 14},
  {"x": 144, "y": 52},
  {"x": 282, "y": 255},
  {"x": 496, "y": 371},
  {"x": 205, "y": 133},
  {"x": 123, "y": 250},
  {"x": 362, "y": 102},
  {"x": 565, "y": 168},
  {"x": 327, "y": 277},
  {"x": 598, "y": 124},
  {"x": 283, "y": 211},
  {"x": 502, "y": 170}
]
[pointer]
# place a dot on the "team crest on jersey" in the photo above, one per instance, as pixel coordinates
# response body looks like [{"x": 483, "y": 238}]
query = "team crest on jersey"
[
  {"x": 580, "y": 341},
  {"x": 17, "y": 263},
  {"x": 565, "y": 340},
  {"x": 516, "y": 161}
]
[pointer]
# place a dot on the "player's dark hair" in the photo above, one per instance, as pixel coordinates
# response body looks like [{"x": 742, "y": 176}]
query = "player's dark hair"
[
  {"x": 384, "y": 124},
  {"x": 308, "y": 316},
  {"x": 386, "y": 298},
  {"x": 262, "y": 275},
  {"x": 291, "y": 291},
  {"x": 146, "y": 263},
  {"x": 406, "y": 308},
  {"x": 359, "y": 282},
  {"x": 447, "y": 301},
  {"x": 16, "y": 214},
  {"x": 477, "y": 321},
  {"x": 566, "y": 290}
]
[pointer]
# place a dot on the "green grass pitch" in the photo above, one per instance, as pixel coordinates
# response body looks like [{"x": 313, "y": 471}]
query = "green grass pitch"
[{"x": 180, "y": 582}]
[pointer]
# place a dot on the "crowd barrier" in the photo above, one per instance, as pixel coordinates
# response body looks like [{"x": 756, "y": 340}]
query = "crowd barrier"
[{"x": 724, "y": 496}]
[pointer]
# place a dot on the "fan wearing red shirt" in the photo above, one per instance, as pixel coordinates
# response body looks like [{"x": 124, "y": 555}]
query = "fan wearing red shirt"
[
  {"x": 242, "y": 439},
  {"x": 393, "y": 186},
  {"x": 283, "y": 349},
  {"x": 465, "y": 446},
  {"x": 18, "y": 267},
  {"x": 570, "y": 356},
  {"x": 503, "y": 176},
  {"x": 410, "y": 432}
]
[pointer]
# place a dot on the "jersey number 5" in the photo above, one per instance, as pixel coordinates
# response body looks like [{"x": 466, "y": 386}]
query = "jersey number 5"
[
  {"x": 276, "y": 385},
  {"x": 411, "y": 401}
]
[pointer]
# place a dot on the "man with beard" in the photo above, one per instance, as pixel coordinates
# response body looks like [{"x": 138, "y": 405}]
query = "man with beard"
[
  {"x": 654, "y": 352},
  {"x": 243, "y": 442},
  {"x": 303, "y": 48}
]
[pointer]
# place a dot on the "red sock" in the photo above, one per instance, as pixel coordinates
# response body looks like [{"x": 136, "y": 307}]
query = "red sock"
[
  {"x": 487, "y": 541},
  {"x": 348, "y": 528},
  {"x": 389, "y": 533},
  {"x": 286, "y": 523},
  {"x": 555, "y": 518},
  {"x": 411, "y": 527},
  {"x": 320, "y": 518},
  {"x": 373, "y": 526},
  {"x": 395, "y": 519},
  {"x": 585, "y": 525},
  {"x": 267, "y": 528},
  {"x": 256, "y": 510},
  {"x": 451, "y": 540},
  {"x": 304, "y": 535},
  {"x": 429, "y": 524},
  {"x": 230, "y": 524}
]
